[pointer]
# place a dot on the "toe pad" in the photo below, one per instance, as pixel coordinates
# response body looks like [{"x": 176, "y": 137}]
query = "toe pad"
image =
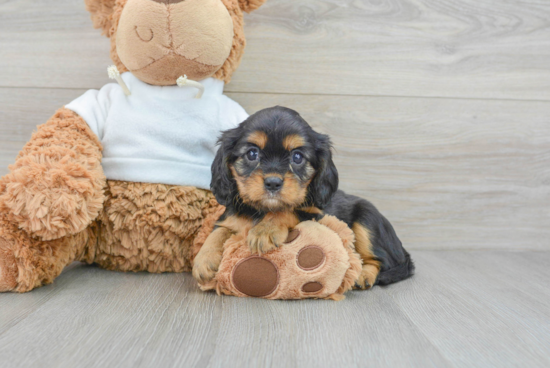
[{"x": 255, "y": 276}]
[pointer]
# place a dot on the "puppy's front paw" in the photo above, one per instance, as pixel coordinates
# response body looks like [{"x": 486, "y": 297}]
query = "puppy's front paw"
[
  {"x": 265, "y": 238},
  {"x": 206, "y": 266}
]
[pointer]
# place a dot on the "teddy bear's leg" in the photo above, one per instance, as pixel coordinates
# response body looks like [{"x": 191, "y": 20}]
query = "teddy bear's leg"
[
  {"x": 8, "y": 267},
  {"x": 152, "y": 227},
  {"x": 55, "y": 188},
  {"x": 27, "y": 263}
]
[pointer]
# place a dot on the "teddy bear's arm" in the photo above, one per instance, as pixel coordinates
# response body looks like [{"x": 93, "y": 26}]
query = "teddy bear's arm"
[{"x": 55, "y": 188}]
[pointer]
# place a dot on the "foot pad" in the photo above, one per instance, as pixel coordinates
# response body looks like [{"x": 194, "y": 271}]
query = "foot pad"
[{"x": 255, "y": 276}]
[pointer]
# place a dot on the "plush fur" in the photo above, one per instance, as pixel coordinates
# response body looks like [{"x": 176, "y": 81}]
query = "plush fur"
[
  {"x": 142, "y": 227},
  {"x": 8, "y": 267},
  {"x": 151, "y": 227},
  {"x": 250, "y": 5},
  {"x": 274, "y": 171},
  {"x": 57, "y": 207},
  {"x": 55, "y": 187},
  {"x": 37, "y": 262},
  {"x": 101, "y": 13}
]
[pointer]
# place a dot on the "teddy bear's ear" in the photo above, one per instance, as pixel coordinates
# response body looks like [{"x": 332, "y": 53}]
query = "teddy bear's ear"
[
  {"x": 101, "y": 12},
  {"x": 250, "y": 5}
]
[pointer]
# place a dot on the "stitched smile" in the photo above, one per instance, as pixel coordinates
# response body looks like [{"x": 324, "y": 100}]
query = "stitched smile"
[{"x": 166, "y": 56}]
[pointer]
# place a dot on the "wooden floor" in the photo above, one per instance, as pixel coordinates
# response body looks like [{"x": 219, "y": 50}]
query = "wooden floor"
[
  {"x": 440, "y": 114},
  {"x": 462, "y": 309}
]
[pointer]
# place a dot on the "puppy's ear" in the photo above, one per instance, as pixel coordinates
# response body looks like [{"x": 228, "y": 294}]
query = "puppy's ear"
[
  {"x": 325, "y": 182},
  {"x": 250, "y": 5},
  {"x": 223, "y": 184},
  {"x": 101, "y": 12}
]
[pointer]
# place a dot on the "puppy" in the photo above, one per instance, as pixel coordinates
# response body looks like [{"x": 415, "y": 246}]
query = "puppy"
[{"x": 274, "y": 171}]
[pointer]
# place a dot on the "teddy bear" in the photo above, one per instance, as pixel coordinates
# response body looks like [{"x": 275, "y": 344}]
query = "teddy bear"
[{"x": 120, "y": 177}]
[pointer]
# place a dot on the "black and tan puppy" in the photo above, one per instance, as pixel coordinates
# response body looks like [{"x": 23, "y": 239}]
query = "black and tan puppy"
[{"x": 274, "y": 171}]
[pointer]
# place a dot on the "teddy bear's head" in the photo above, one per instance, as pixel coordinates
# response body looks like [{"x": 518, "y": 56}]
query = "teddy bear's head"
[{"x": 161, "y": 40}]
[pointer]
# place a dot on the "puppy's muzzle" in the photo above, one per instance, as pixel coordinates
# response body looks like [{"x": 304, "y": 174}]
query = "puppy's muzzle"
[{"x": 273, "y": 184}]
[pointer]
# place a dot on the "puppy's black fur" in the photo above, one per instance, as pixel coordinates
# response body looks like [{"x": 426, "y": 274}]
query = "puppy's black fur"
[{"x": 309, "y": 188}]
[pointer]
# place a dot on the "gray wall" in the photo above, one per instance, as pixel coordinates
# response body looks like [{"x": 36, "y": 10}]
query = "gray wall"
[{"x": 439, "y": 110}]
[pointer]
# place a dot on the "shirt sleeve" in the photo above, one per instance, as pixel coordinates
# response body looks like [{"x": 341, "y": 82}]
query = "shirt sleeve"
[
  {"x": 233, "y": 114},
  {"x": 93, "y": 106}
]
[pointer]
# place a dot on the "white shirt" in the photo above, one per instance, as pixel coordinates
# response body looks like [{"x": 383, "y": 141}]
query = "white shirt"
[{"x": 159, "y": 134}]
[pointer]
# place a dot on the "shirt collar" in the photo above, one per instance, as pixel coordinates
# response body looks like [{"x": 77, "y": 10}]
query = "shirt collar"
[{"x": 212, "y": 87}]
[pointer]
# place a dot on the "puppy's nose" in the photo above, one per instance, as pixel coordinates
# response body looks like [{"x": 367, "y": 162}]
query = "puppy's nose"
[{"x": 273, "y": 183}]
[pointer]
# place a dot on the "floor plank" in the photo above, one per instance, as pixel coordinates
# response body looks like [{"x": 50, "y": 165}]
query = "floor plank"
[
  {"x": 16, "y": 309},
  {"x": 120, "y": 319},
  {"x": 452, "y": 48},
  {"x": 448, "y": 173},
  {"x": 362, "y": 329},
  {"x": 475, "y": 317},
  {"x": 457, "y": 311}
]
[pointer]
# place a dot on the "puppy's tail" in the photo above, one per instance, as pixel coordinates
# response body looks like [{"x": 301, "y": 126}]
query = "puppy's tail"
[{"x": 397, "y": 273}]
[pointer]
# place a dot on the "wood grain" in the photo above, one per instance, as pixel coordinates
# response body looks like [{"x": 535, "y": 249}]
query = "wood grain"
[
  {"x": 448, "y": 173},
  {"x": 461, "y": 310},
  {"x": 15, "y": 309},
  {"x": 477, "y": 313},
  {"x": 453, "y": 48}
]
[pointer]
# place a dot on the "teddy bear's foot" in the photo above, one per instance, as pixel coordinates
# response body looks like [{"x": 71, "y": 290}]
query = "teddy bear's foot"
[
  {"x": 367, "y": 278},
  {"x": 316, "y": 261},
  {"x": 8, "y": 267}
]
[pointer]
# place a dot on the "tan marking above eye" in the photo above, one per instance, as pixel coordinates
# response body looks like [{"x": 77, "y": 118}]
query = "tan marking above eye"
[
  {"x": 144, "y": 33},
  {"x": 258, "y": 138},
  {"x": 293, "y": 141}
]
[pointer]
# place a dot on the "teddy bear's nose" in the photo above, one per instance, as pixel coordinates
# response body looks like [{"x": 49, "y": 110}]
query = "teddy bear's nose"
[{"x": 168, "y": 1}]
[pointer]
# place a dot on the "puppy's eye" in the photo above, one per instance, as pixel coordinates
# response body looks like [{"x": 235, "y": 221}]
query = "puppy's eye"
[
  {"x": 297, "y": 158},
  {"x": 252, "y": 154}
]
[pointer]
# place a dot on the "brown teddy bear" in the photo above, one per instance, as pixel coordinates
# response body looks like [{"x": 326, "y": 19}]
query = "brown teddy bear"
[{"x": 120, "y": 177}]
